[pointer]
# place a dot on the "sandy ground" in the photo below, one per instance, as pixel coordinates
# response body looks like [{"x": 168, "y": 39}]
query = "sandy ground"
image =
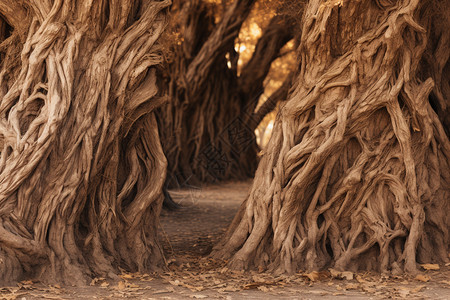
[{"x": 188, "y": 234}]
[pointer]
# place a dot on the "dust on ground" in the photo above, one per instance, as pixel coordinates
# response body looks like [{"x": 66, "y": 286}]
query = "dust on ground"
[{"x": 188, "y": 235}]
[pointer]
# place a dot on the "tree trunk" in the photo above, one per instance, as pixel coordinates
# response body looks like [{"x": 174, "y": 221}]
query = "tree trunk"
[
  {"x": 357, "y": 172},
  {"x": 207, "y": 128},
  {"x": 81, "y": 165}
]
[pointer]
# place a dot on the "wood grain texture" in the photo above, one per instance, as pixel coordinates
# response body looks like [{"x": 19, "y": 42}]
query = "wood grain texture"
[
  {"x": 81, "y": 164},
  {"x": 356, "y": 175}
]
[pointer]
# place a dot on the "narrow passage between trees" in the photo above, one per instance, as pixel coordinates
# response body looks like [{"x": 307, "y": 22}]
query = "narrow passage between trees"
[{"x": 205, "y": 214}]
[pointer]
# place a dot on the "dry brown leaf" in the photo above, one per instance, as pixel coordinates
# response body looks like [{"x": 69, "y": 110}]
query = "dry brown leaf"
[
  {"x": 8, "y": 297},
  {"x": 8, "y": 289},
  {"x": 48, "y": 296},
  {"x": 263, "y": 289},
  {"x": 313, "y": 276},
  {"x": 132, "y": 285},
  {"x": 193, "y": 288},
  {"x": 423, "y": 278},
  {"x": 360, "y": 279},
  {"x": 121, "y": 285},
  {"x": 163, "y": 291},
  {"x": 175, "y": 282},
  {"x": 257, "y": 278},
  {"x": 352, "y": 286},
  {"x": 430, "y": 266},
  {"x": 146, "y": 279},
  {"x": 199, "y": 296},
  {"x": 229, "y": 289},
  {"x": 126, "y": 276},
  {"x": 104, "y": 285},
  {"x": 341, "y": 275},
  {"x": 403, "y": 293},
  {"x": 418, "y": 289},
  {"x": 369, "y": 289}
]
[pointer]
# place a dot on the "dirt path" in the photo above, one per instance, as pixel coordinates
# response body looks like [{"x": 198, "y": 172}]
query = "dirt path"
[
  {"x": 189, "y": 233},
  {"x": 204, "y": 216}
]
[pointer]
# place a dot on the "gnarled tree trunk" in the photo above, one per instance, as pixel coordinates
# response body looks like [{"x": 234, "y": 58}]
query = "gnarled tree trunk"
[
  {"x": 357, "y": 172},
  {"x": 208, "y": 124},
  {"x": 81, "y": 165}
]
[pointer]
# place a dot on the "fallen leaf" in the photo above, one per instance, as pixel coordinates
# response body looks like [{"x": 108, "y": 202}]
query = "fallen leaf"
[
  {"x": 351, "y": 286},
  {"x": 146, "y": 279},
  {"x": 360, "y": 279},
  {"x": 229, "y": 289},
  {"x": 418, "y": 289},
  {"x": 257, "y": 278},
  {"x": 369, "y": 289},
  {"x": 430, "y": 266},
  {"x": 263, "y": 289},
  {"x": 132, "y": 285},
  {"x": 199, "y": 296},
  {"x": 168, "y": 290},
  {"x": 313, "y": 276},
  {"x": 126, "y": 276},
  {"x": 104, "y": 284},
  {"x": 404, "y": 293},
  {"x": 341, "y": 275},
  {"x": 175, "y": 282},
  {"x": 121, "y": 285},
  {"x": 423, "y": 278},
  {"x": 193, "y": 288}
]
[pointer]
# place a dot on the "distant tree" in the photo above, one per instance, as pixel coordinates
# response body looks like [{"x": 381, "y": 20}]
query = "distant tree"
[
  {"x": 81, "y": 165},
  {"x": 357, "y": 172},
  {"x": 207, "y": 127}
]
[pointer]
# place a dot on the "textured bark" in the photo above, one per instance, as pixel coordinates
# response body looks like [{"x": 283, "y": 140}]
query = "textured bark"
[
  {"x": 270, "y": 104},
  {"x": 81, "y": 165},
  {"x": 207, "y": 133},
  {"x": 357, "y": 172}
]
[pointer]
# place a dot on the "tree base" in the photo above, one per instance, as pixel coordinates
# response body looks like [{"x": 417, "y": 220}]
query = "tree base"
[{"x": 356, "y": 175}]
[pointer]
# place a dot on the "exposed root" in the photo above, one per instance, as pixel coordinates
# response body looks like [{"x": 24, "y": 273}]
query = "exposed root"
[
  {"x": 357, "y": 172},
  {"x": 81, "y": 165}
]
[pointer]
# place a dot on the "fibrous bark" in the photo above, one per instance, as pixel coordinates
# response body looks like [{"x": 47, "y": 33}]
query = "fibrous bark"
[
  {"x": 357, "y": 172},
  {"x": 207, "y": 128},
  {"x": 81, "y": 165}
]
